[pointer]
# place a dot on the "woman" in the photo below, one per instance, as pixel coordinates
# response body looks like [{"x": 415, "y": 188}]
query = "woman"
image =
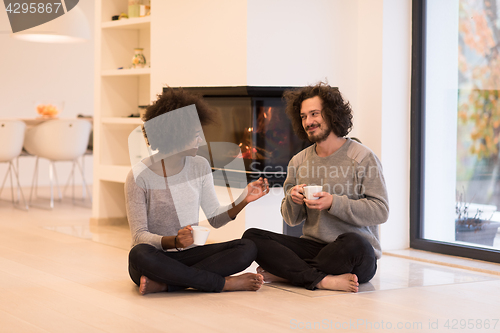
[{"x": 163, "y": 195}]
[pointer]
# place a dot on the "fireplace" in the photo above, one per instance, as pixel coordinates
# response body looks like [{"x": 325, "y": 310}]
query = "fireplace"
[{"x": 253, "y": 128}]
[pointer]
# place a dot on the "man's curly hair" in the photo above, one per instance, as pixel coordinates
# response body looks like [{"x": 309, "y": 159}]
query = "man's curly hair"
[
  {"x": 336, "y": 112},
  {"x": 171, "y": 133}
]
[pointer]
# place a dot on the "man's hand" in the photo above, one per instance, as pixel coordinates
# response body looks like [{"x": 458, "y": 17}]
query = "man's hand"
[
  {"x": 323, "y": 202},
  {"x": 297, "y": 194},
  {"x": 185, "y": 237},
  {"x": 257, "y": 189}
]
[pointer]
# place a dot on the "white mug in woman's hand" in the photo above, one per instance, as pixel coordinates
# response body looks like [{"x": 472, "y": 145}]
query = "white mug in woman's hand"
[{"x": 200, "y": 234}]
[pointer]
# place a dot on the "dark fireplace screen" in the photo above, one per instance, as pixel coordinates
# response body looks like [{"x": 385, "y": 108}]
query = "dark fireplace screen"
[{"x": 253, "y": 128}]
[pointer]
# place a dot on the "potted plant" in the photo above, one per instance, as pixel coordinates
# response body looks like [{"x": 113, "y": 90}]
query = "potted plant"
[{"x": 471, "y": 226}]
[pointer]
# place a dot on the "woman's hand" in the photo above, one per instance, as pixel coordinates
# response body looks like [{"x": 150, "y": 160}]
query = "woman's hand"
[
  {"x": 257, "y": 189},
  {"x": 252, "y": 192},
  {"x": 323, "y": 202},
  {"x": 184, "y": 237}
]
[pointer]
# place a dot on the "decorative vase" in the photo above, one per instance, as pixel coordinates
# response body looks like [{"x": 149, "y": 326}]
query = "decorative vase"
[
  {"x": 134, "y": 8},
  {"x": 138, "y": 61}
]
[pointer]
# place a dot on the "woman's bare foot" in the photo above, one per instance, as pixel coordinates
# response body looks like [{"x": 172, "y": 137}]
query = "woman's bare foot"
[
  {"x": 149, "y": 286},
  {"x": 268, "y": 277},
  {"x": 246, "y": 281},
  {"x": 344, "y": 282}
]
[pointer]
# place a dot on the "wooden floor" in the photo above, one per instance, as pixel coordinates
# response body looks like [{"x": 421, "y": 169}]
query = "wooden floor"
[{"x": 59, "y": 275}]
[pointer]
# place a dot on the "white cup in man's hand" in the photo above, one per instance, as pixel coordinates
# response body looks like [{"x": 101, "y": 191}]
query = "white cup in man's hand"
[
  {"x": 310, "y": 190},
  {"x": 200, "y": 234}
]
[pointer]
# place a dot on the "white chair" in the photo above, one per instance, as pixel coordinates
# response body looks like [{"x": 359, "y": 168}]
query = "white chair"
[
  {"x": 12, "y": 138},
  {"x": 58, "y": 140}
]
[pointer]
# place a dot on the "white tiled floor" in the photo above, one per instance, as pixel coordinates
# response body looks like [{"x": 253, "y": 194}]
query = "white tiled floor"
[
  {"x": 392, "y": 273},
  {"x": 398, "y": 273},
  {"x": 52, "y": 281}
]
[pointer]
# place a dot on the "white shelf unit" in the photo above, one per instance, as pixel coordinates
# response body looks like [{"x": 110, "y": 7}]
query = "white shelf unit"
[{"x": 118, "y": 93}]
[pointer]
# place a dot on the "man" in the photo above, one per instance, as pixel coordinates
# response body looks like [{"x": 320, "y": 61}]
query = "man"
[{"x": 340, "y": 244}]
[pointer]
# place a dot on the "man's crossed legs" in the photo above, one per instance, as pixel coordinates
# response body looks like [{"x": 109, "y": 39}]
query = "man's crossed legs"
[{"x": 340, "y": 265}]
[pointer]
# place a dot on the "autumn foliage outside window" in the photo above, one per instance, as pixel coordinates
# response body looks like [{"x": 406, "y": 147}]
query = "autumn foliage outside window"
[{"x": 478, "y": 162}]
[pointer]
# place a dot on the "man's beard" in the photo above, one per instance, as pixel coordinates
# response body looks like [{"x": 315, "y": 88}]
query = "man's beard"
[{"x": 321, "y": 136}]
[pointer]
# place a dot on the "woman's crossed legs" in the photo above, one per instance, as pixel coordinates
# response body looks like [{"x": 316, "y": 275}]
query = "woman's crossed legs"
[{"x": 206, "y": 268}]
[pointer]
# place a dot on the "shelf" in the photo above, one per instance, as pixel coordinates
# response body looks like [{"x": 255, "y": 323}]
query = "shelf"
[
  {"x": 119, "y": 93},
  {"x": 131, "y": 23},
  {"x": 122, "y": 120},
  {"x": 114, "y": 173},
  {"x": 124, "y": 72}
]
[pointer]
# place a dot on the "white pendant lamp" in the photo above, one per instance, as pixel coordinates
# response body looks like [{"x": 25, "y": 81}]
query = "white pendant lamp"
[{"x": 72, "y": 27}]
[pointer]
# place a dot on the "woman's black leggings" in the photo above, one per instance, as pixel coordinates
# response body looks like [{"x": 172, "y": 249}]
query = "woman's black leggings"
[{"x": 202, "y": 267}]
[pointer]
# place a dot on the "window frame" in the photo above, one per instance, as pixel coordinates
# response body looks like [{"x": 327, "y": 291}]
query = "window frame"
[{"x": 417, "y": 150}]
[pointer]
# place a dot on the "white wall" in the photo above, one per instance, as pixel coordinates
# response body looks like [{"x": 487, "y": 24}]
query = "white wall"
[
  {"x": 198, "y": 43},
  {"x": 296, "y": 43},
  {"x": 367, "y": 109},
  {"x": 38, "y": 72},
  {"x": 395, "y": 120}
]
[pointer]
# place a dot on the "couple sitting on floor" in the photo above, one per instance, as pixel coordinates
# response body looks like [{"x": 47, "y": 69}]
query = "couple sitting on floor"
[{"x": 340, "y": 243}]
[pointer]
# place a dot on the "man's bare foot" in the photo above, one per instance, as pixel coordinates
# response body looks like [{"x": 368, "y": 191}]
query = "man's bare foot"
[
  {"x": 149, "y": 286},
  {"x": 344, "y": 282},
  {"x": 246, "y": 281},
  {"x": 268, "y": 277}
]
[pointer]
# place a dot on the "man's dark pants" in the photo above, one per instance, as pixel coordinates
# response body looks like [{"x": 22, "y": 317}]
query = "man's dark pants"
[{"x": 305, "y": 262}]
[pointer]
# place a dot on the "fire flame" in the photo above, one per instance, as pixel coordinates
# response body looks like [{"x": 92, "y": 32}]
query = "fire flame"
[{"x": 248, "y": 150}]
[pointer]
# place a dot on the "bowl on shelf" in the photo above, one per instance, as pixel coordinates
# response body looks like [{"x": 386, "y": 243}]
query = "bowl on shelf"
[{"x": 49, "y": 109}]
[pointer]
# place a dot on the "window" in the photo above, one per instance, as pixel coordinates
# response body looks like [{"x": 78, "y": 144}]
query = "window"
[{"x": 455, "y": 176}]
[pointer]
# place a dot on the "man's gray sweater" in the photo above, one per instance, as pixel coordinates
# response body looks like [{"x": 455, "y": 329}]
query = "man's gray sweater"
[{"x": 353, "y": 175}]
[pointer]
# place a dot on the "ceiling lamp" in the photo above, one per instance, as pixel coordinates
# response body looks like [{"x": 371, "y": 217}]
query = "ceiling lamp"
[{"x": 72, "y": 27}]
